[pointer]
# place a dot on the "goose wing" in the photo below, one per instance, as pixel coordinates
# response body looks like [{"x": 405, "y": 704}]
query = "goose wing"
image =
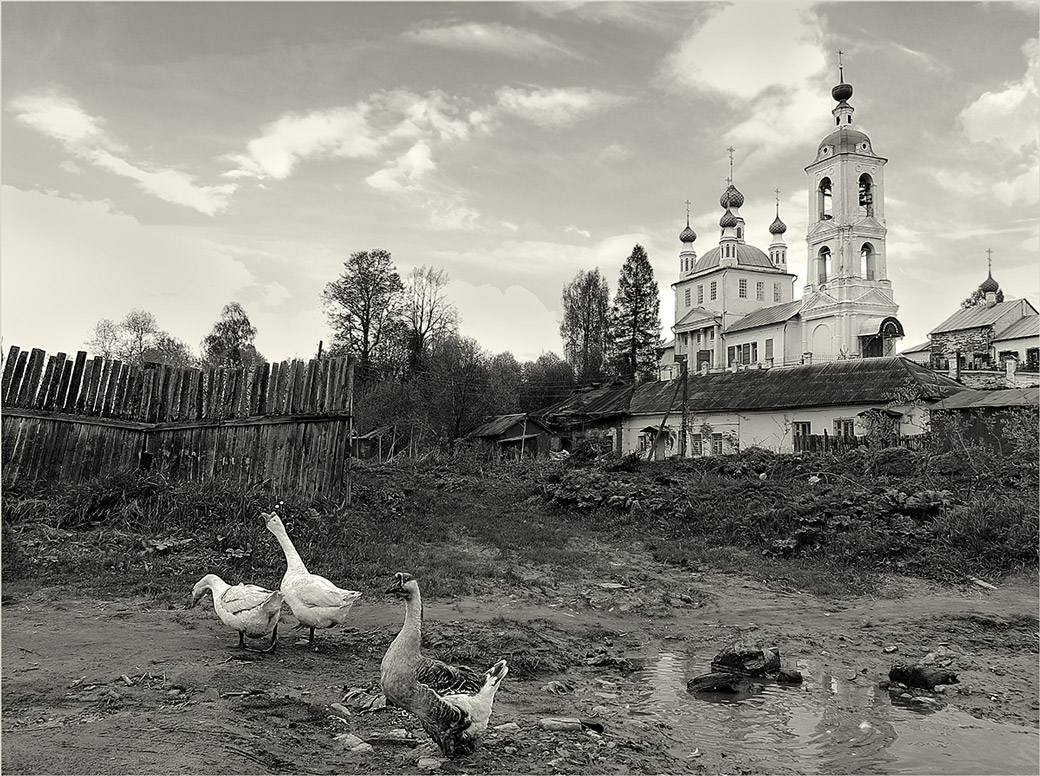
[
  {"x": 317, "y": 591},
  {"x": 241, "y": 598},
  {"x": 446, "y": 679}
]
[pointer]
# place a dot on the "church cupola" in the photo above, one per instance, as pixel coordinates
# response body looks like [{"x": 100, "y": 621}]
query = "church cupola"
[
  {"x": 989, "y": 289},
  {"x": 687, "y": 256},
  {"x": 778, "y": 248},
  {"x": 732, "y": 222}
]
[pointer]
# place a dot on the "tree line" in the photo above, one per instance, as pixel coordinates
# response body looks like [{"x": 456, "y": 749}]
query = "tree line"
[{"x": 415, "y": 371}]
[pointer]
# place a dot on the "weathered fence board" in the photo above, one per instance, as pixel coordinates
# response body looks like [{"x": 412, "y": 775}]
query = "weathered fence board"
[{"x": 67, "y": 419}]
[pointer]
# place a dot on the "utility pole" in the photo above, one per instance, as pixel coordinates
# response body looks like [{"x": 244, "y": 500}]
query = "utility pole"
[{"x": 684, "y": 374}]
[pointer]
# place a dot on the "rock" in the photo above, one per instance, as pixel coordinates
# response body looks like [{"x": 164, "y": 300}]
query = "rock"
[
  {"x": 362, "y": 747},
  {"x": 745, "y": 657},
  {"x": 561, "y": 723},
  {"x": 790, "y": 676},
  {"x": 348, "y": 740},
  {"x": 890, "y": 649},
  {"x": 429, "y": 763},
  {"x": 508, "y": 727},
  {"x": 919, "y": 675},
  {"x": 340, "y": 710},
  {"x": 719, "y": 682}
]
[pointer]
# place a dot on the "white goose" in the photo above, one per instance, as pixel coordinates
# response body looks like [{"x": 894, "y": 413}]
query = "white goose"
[
  {"x": 453, "y": 704},
  {"x": 250, "y": 609},
  {"x": 316, "y": 602}
]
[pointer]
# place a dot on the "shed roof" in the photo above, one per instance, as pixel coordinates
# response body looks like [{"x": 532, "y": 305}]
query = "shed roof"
[
  {"x": 1029, "y": 326},
  {"x": 1005, "y": 397},
  {"x": 924, "y": 347},
  {"x": 855, "y": 381},
  {"x": 978, "y": 316},
  {"x": 765, "y": 316},
  {"x": 586, "y": 403},
  {"x": 499, "y": 424}
]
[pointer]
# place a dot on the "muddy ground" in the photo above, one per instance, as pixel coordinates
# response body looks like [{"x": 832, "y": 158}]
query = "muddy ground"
[{"x": 131, "y": 686}]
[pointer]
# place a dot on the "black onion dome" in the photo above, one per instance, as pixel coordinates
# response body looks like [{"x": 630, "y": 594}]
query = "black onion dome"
[
  {"x": 728, "y": 219},
  {"x": 989, "y": 285},
  {"x": 842, "y": 92},
  {"x": 731, "y": 197},
  {"x": 778, "y": 226},
  {"x": 687, "y": 235}
]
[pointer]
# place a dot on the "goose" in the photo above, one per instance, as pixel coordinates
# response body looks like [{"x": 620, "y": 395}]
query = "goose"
[
  {"x": 453, "y": 704},
  {"x": 316, "y": 602},
  {"x": 250, "y": 609}
]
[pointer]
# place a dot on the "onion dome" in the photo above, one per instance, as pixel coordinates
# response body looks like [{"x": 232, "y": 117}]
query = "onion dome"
[
  {"x": 989, "y": 285},
  {"x": 728, "y": 219},
  {"x": 778, "y": 226},
  {"x": 687, "y": 235},
  {"x": 841, "y": 92},
  {"x": 731, "y": 197}
]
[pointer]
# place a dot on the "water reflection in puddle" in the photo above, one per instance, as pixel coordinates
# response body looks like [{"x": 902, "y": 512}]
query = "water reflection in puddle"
[{"x": 829, "y": 724}]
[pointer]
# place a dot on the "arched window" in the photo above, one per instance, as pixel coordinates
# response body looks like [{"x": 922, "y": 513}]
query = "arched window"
[
  {"x": 740, "y": 233},
  {"x": 823, "y": 265},
  {"x": 866, "y": 195},
  {"x": 823, "y": 204},
  {"x": 868, "y": 261}
]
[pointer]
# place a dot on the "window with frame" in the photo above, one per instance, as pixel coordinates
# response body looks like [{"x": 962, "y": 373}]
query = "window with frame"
[
  {"x": 760, "y": 291},
  {"x": 844, "y": 427},
  {"x": 730, "y": 355},
  {"x": 712, "y": 337},
  {"x": 700, "y": 294},
  {"x": 696, "y": 445},
  {"x": 716, "y": 444},
  {"x": 742, "y": 288},
  {"x": 714, "y": 289},
  {"x": 776, "y": 292},
  {"x": 802, "y": 427},
  {"x": 769, "y": 350},
  {"x": 687, "y": 297}
]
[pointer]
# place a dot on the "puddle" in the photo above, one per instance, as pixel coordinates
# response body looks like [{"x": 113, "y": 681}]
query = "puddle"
[{"x": 826, "y": 725}]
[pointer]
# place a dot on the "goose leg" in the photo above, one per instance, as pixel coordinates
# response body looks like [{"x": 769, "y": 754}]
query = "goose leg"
[
  {"x": 311, "y": 641},
  {"x": 274, "y": 640}
]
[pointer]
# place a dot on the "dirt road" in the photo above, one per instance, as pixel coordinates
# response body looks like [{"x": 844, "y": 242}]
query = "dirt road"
[{"x": 126, "y": 686}]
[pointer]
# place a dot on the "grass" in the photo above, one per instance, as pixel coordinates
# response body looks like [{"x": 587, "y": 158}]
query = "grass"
[{"x": 825, "y": 524}]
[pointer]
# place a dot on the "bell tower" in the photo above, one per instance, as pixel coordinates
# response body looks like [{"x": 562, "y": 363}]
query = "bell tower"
[{"x": 847, "y": 268}]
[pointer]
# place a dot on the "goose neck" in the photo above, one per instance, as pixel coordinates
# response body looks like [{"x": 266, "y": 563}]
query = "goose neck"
[{"x": 292, "y": 557}]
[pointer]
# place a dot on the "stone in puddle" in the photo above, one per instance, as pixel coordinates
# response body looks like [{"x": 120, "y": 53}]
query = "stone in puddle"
[
  {"x": 746, "y": 657},
  {"x": 719, "y": 682}
]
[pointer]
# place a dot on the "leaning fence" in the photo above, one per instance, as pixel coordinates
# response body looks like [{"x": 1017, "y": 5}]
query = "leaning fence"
[{"x": 287, "y": 424}]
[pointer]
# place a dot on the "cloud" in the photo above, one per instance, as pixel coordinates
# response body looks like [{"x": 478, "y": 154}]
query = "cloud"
[
  {"x": 82, "y": 135},
  {"x": 450, "y": 214},
  {"x": 1008, "y": 118},
  {"x": 576, "y": 230},
  {"x": 554, "y": 107},
  {"x": 406, "y": 172},
  {"x": 1020, "y": 191},
  {"x": 511, "y": 319},
  {"x": 495, "y": 38},
  {"x": 656, "y": 17}
]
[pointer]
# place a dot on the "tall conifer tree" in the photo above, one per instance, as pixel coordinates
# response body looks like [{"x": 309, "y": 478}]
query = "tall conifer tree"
[{"x": 636, "y": 317}]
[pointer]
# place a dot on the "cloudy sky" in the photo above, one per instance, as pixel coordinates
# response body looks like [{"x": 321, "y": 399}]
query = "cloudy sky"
[{"x": 175, "y": 157}]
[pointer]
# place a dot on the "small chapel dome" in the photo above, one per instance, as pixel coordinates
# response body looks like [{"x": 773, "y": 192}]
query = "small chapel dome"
[
  {"x": 687, "y": 235},
  {"x": 842, "y": 92},
  {"x": 728, "y": 219},
  {"x": 989, "y": 285},
  {"x": 731, "y": 197},
  {"x": 778, "y": 226}
]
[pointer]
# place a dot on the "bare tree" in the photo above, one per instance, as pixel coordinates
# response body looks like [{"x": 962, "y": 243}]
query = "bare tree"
[
  {"x": 586, "y": 323},
  {"x": 105, "y": 341},
  {"x": 427, "y": 311}
]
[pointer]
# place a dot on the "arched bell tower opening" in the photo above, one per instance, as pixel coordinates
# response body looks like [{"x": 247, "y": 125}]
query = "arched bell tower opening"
[
  {"x": 825, "y": 200},
  {"x": 823, "y": 266},
  {"x": 866, "y": 195}
]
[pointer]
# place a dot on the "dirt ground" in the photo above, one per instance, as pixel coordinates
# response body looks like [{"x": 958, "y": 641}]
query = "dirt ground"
[{"x": 128, "y": 686}]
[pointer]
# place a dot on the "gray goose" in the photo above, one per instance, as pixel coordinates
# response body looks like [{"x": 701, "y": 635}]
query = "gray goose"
[{"x": 453, "y": 703}]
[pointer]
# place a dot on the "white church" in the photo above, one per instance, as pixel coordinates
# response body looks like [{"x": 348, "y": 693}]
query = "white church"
[{"x": 735, "y": 306}]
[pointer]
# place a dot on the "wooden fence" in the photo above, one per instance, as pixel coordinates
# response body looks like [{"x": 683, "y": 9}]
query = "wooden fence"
[
  {"x": 67, "y": 419},
  {"x": 825, "y": 443}
]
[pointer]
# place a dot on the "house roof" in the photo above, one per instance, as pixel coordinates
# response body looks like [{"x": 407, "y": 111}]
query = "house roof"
[
  {"x": 1006, "y": 397},
  {"x": 588, "y": 403},
  {"x": 1029, "y": 326},
  {"x": 501, "y": 423},
  {"x": 855, "y": 381},
  {"x": 922, "y": 348},
  {"x": 978, "y": 316},
  {"x": 764, "y": 316}
]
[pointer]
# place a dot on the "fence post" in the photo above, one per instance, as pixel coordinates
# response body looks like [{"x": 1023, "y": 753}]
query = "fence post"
[{"x": 350, "y": 421}]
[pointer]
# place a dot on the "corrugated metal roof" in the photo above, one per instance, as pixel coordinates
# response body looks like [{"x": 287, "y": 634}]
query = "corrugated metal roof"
[
  {"x": 975, "y": 317},
  {"x": 767, "y": 315},
  {"x": 1023, "y": 327},
  {"x": 601, "y": 401},
  {"x": 856, "y": 381},
  {"x": 923, "y": 347},
  {"x": 1006, "y": 397},
  {"x": 502, "y": 423}
]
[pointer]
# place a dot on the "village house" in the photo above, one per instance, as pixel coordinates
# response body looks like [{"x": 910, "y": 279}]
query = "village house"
[{"x": 514, "y": 436}]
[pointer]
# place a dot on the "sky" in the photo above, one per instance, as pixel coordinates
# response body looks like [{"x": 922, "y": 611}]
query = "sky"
[{"x": 175, "y": 157}]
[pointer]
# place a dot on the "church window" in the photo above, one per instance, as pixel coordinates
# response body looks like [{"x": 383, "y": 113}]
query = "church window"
[
  {"x": 714, "y": 290},
  {"x": 740, "y": 233},
  {"x": 700, "y": 294},
  {"x": 824, "y": 198},
  {"x": 823, "y": 263},
  {"x": 698, "y": 338},
  {"x": 712, "y": 335},
  {"x": 742, "y": 288},
  {"x": 687, "y": 297},
  {"x": 776, "y": 292},
  {"x": 868, "y": 261},
  {"x": 866, "y": 194},
  {"x": 760, "y": 291}
]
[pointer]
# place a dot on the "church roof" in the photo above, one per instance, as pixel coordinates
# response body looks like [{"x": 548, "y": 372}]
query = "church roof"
[
  {"x": 977, "y": 316},
  {"x": 1029, "y": 326},
  {"x": 764, "y": 316},
  {"x": 747, "y": 256},
  {"x": 846, "y": 140},
  {"x": 698, "y": 315}
]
